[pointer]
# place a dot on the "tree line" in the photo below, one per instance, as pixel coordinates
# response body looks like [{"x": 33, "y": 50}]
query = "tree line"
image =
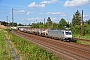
[{"x": 75, "y": 25}]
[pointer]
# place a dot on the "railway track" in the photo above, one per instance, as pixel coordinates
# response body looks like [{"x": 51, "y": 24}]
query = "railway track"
[{"x": 61, "y": 49}]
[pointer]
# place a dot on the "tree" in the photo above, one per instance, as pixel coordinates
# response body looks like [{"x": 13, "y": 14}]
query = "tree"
[
  {"x": 15, "y": 24},
  {"x": 62, "y": 23},
  {"x": 37, "y": 25},
  {"x": 54, "y": 25},
  {"x": 76, "y": 20},
  {"x": 87, "y": 27},
  {"x": 88, "y": 22},
  {"x": 49, "y": 23},
  {"x": 18, "y": 24},
  {"x": 4, "y": 23},
  {"x": 49, "y": 20},
  {"x": 76, "y": 23}
]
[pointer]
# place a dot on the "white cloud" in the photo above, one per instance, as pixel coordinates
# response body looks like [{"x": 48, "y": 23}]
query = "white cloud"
[
  {"x": 2, "y": 20},
  {"x": 17, "y": 12},
  {"x": 40, "y": 13},
  {"x": 30, "y": 18},
  {"x": 86, "y": 17},
  {"x": 28, "y": 13},
  {"x": 49, "y": 2},
  {"x": 21, "y": 11},
  {"x": 56, "y": 13},
  {"x": 14, "y": 12},
  {"x": 53, "y": 18},
  {"x": 73, "y": 3},
  {"x": 37, "y": 18},
  {"x": 34, "y": 5},
  {"x": 41, "y": 4}
]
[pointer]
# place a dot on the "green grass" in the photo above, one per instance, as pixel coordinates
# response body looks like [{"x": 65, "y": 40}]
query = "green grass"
[
  {"x": 29, "y": 51},
  {"x": 87, "y": 36},
  {"x": 84, "y": 43},
  {"x": 4, "y": 50}
]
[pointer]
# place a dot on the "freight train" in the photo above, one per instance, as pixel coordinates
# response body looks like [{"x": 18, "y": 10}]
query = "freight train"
[{"x": 64, "y": 35}]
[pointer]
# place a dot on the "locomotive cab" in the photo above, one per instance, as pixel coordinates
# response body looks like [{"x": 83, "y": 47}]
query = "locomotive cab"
[{"x": 67, "y": 35}]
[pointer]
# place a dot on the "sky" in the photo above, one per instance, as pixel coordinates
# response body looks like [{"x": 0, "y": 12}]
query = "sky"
[{"x": 33, "y": 11}]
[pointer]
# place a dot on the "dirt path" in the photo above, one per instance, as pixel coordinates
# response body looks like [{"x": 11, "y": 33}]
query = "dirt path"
[{"x": 13, "y": 53}]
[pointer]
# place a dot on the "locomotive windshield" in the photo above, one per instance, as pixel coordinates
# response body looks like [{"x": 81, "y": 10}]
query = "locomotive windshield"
[{"x": 68, "y": 33}]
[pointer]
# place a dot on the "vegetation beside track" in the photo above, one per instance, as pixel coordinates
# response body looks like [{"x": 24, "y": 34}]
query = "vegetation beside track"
[
  {"x": 28, "y": 51},
  {"x": 4, "y": 50},
  {"x": 87, "y": 36},
  {"x": 84, "y": 43}
]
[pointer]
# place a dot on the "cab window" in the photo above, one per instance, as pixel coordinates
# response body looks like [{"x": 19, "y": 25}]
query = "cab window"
[{"x": 68, "y": 33}]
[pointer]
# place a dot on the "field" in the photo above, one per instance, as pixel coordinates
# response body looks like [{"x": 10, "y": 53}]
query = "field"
[
  {"x": 28, "y": 51},
  {"x": 4, "y": 50},
  {"x": 87, "y": 36}
]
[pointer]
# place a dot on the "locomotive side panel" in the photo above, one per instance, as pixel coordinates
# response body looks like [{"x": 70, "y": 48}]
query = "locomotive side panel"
[{"x": 60, "y": 34}]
